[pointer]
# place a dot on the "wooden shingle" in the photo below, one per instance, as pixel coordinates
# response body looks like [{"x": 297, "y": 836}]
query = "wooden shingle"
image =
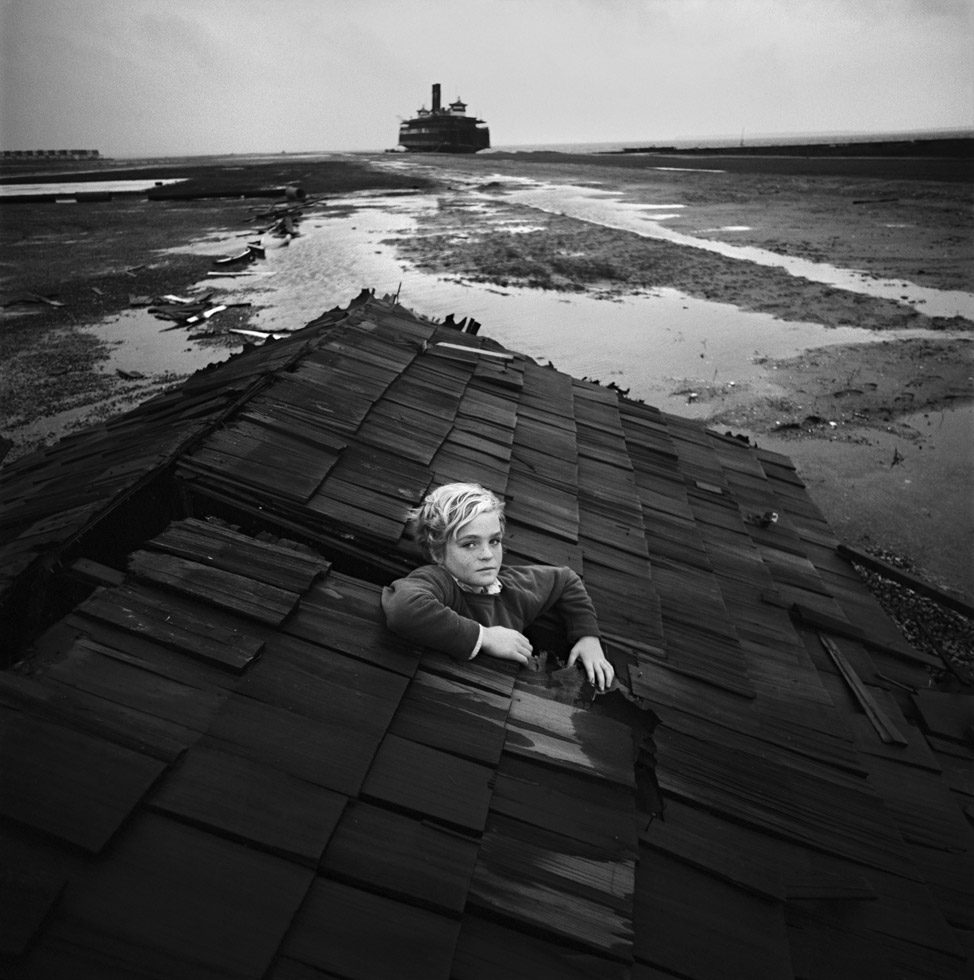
[{"x": 248, "y": 774}]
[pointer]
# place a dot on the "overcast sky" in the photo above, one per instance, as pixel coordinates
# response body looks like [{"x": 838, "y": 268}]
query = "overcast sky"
[{"x": 175, "y": 77}]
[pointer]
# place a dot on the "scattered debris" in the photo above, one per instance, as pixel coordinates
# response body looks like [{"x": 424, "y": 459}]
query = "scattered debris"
[
  {"x": 28, "y": 298},
  {"x": 261, "y": 335},
  {"x": 245, "y": 256}
]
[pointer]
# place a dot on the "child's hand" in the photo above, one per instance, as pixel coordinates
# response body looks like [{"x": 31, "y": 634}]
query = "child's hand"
[
  {"x": 598, "y": 670},
  {"x": 507, "y": 644}
]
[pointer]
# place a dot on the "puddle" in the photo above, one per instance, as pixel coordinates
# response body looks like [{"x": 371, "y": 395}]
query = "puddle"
[
  {"x": 142, "y": 343},
  {"x": 85, "y": 186}
]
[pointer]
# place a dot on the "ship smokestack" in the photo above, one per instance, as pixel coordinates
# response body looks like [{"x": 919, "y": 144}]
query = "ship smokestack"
[{"x": 436, "y": 96}]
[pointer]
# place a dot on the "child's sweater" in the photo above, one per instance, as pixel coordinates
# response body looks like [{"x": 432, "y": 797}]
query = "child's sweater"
[{"x": 429, "y": 607}]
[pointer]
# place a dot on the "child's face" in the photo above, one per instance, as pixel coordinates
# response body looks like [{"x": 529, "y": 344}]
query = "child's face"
[{"x": 473, "y": 555}]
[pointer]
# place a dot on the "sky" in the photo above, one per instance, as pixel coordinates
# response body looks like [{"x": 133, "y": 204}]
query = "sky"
[{"x": 135, "y": 78}]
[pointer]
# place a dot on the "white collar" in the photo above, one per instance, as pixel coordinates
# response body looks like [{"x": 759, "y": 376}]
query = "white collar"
[{"x": 491, "y": 589}]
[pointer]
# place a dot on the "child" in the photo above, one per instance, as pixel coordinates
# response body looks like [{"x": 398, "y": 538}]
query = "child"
[{"x": 467, "y": 603}]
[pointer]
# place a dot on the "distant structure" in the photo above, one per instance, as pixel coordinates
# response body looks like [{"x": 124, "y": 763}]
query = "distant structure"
[
  {"x": 50, "y": 154},
  {"x": 439, "y": 130}
]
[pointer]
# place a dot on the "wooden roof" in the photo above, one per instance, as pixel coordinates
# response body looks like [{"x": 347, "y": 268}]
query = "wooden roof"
[{"x": 217, "y": 762}]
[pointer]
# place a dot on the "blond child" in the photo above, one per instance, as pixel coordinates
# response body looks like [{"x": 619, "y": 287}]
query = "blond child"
[{"x": 467, "y": 602}]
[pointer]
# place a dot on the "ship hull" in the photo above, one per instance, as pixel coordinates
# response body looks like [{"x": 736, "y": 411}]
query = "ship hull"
[{"x": 432, "y": 136}]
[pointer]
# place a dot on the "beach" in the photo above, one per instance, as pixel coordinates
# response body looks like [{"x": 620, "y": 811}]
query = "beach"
[{"x": 826, "y": 316}]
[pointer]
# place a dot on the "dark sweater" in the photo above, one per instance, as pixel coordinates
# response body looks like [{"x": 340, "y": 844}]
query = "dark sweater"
[{"x": 429, "y": 608}]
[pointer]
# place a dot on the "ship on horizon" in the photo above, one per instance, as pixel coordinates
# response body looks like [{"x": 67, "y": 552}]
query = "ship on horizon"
[{"x": 443, "y": 130}]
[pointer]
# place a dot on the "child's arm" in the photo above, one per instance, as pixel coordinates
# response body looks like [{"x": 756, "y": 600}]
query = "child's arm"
[
  {"x": 419, "y": 608},
  {"x": 578, "y": 611}
]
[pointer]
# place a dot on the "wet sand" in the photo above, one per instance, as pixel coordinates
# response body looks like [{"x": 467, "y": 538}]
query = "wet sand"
[{"x": 878, "y": 430}]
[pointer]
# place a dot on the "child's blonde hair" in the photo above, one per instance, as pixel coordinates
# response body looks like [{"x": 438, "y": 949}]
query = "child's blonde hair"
[{"x": 446, "y": 509}]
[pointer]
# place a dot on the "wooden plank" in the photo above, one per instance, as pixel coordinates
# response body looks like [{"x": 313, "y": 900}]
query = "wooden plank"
[
  {"x": 181, "y": 626},
  {"x": 138, "y": 651},
  {"x": 545, "y": 469},
  {"x": 97, "y": 669},
  {"x": 211, "y": 544},
  {"x": 63, "y": 782},
  {"x": 568, "y": 737},
  {"x": 304, "y": 685},
  {"x": 277, "y": 416},
  {"x": 526, "y": 852},
  {"x": 668, "y": 691},
  {"x": 363, "y": 497},
  {"x": 389, "y": 436},
  {"x": 947, "y": 715},
  {"x": 497, "y": 676},
  {"x": 383, "y": 472},
  {"x": 878, "y": 717},
  {"x": 495, "y": 412},
  {"x": 564, "y": 894},
  {"x": 329, "y": 755},
  {"x": 332, "y": 615},
  {"x": 338, "y": 407},
  {"x": 348, "y": 932},
  {"x": 538, "y": 548},
  {"x": 594, "y": 812},
  {"x": 359, "y": 520},
  {"x": 423, "y": 424},
  {"x": 293, "y": 663},
  {"x": 191, "y": 897},
  {"x": 454, "y": 463},
  {"x": 487, "y": 950},
  {"x": 472, "y": 349},
  {"x": 478, "y": 443},
  {"x": 27, "y": 896},
  {"x": 593, "y": 732},
  {"x": 253, "y": 447},
  {"x": 729, "y": 674},
  {"x": 412, "y": 777},
  {"x": 738, "y": 855},
  {"x": 844, "y": 819},
  {"x": 401, "y": 856},
  {"x": 225, "y": 590},
  {"x": 248, "y": 801},
  {"x": 92, "y": 715},
  {"x": 422, "y": 396},
  {"x": 544, "y": 439},
  {"x": 922, "y": 806},
  {"x": 677, "y": 904},
  {"x": 448, "y": 715}
]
